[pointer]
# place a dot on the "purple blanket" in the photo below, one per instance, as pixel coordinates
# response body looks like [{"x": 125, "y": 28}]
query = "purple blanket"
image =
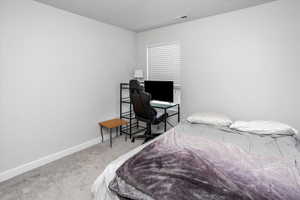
[{"x": 179, "y": 166}]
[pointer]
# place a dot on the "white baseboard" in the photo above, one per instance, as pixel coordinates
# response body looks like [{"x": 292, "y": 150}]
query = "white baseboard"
[{"x": 45, "y": 160}]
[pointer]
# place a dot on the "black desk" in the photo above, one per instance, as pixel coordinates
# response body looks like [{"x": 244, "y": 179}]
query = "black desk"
[
  {"x": 165, "y": 107},
  {"x": 133, "y": 127}
]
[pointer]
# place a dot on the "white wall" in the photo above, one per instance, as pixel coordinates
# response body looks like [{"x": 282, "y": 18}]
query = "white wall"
[
  {"x": 60, "y": 74},
  {"x": 244, "y": 63}
]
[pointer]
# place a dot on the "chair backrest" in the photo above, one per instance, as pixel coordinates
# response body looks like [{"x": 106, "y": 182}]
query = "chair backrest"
[{"x": 141, "y": 102}]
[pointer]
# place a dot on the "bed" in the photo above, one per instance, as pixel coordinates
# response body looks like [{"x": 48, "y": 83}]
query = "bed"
[{"x": 237, "y": 166}]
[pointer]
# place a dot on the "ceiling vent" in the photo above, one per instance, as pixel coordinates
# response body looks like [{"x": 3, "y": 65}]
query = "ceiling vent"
[{"x": 184, "y": 17}]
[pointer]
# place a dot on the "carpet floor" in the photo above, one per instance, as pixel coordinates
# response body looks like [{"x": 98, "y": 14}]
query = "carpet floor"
[{"x": 69, "y": 178}]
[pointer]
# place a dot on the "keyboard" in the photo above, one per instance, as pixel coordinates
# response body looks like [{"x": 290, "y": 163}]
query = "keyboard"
[{"x": 161, "y": 102}]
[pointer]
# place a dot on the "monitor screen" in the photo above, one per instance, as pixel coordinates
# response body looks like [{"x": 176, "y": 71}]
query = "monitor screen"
[{"x": 160, "y": 90}]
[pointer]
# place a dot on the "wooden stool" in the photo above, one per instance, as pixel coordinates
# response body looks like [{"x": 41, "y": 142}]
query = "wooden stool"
[{"x": 110, "y": 124}]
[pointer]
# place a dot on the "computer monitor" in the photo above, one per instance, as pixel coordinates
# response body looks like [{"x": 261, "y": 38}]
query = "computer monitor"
[{"x": 160, "y": 90}]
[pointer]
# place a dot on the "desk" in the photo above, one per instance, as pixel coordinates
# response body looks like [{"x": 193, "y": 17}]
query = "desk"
[
  {"x": 126, "y": 112},
  {"x": 165, "y": 108}
]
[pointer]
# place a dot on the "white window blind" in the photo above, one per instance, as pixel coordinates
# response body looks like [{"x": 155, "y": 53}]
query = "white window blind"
[{"x": 164, "y": 63}]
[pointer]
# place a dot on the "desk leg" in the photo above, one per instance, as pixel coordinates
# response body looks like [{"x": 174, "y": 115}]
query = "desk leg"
[
  {"x": 101, "y": 133},
  {"x": 130, "y": 120},
  {"x": 178, "y": 113},
  {"x": 110, "y": 137},
  {"x": 165, "y": 120},
  {"x": 126, "y": 133}
]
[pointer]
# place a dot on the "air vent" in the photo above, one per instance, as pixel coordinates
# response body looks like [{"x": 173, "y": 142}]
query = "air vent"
[{"x": 184, "y": 17}]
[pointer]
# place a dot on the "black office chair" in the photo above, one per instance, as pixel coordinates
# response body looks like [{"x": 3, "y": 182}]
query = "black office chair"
[{"x": 143, "y": 110}]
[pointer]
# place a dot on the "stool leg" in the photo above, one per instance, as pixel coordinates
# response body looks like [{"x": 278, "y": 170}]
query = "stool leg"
[
  {"x": 111, "y": 137},
  {"x": 102, "y": 134}
]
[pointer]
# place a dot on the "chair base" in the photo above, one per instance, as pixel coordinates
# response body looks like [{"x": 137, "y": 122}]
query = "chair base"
[{"x": 146, "y": 137}]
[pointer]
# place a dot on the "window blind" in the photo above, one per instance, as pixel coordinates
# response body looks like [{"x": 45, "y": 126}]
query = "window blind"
[{"x": 164, "y": 63}]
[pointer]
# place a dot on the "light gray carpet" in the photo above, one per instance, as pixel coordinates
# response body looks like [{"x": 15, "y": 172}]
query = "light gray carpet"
[{"x": 69, "y": 178}]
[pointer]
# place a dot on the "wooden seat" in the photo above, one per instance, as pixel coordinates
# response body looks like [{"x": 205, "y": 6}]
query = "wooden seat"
[
  {"x": 110, "y": 124},
  {"x": 113, "y": 123}
]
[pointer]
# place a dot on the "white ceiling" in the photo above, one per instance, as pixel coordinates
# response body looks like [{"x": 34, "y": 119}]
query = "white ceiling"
[{"x": 140, "y": 15}]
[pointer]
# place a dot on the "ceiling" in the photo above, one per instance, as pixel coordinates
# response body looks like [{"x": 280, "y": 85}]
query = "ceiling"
[{"x": 141, "y": 15}]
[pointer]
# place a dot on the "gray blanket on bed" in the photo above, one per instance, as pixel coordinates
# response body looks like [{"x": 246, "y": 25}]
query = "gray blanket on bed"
[{"x": 182, "y": 166}]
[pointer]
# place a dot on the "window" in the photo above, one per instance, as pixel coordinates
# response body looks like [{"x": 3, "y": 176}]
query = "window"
[{"x": 164, "y": 63}]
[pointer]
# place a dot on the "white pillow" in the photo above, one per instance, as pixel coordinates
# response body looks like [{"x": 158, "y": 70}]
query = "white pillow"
[
  {"x": 264, "y": 127},
  {"x": 215, "y": 119}
]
